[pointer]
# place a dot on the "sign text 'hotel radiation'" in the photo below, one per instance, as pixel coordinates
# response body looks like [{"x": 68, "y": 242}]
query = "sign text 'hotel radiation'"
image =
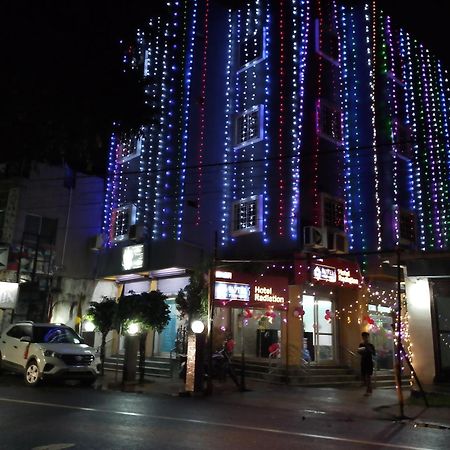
[{"x": 265, "y": 294}]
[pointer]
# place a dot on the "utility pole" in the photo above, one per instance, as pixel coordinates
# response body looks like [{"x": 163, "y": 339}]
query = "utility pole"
[{"x": 211, "y": 289}]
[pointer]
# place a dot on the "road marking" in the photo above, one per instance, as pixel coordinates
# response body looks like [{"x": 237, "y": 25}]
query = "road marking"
[
  {"x": 314, "y": 411},
  {"x": 53, "y": 447},
  {"x": 217, "y": 424}
]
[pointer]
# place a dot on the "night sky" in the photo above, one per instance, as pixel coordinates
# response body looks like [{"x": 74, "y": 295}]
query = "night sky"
[{"x": 61, "y": 70}]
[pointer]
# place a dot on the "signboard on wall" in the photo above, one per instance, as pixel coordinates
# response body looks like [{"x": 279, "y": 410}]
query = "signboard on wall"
[
  {"x": 334, "y": 271},
  {"x": 232, "y": 291},
  {"x": 241, "y": 290},
  {"x": 133, "y": 257}
]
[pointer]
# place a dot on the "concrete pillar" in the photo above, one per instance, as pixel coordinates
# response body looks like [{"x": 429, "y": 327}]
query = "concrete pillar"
[{"x": 292, "y": 331}]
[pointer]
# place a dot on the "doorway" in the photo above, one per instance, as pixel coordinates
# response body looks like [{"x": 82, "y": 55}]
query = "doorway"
[{"x": 318, "y": 325}]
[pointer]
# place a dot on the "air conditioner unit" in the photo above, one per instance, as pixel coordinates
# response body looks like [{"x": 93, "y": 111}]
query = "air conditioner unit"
[
  {"x": 314, "y": 237},
  {"x": 337, "y": 242},
  {"x": 136, "y": 232}
]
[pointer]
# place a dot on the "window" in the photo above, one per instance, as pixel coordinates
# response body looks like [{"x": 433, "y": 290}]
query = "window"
[
  {"x": 333, "y": 212},
  {"x": 43, "y": 227},
  {"x": 407, "y": 227},
  {"x": 19, "y": 331},
  {"x": 122, "y": 219},
  {"x": 252, "y": 50},
  {"x": 249, "y": 126},
  {"x": 247, "y": 216},
  {"x": 330, "y": 127},
  {"x": 327, "y": 44},
  {"x": 128, "y": 147}
]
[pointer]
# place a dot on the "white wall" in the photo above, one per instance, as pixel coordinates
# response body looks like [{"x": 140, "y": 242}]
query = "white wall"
[{"x": 420, "y": 328}]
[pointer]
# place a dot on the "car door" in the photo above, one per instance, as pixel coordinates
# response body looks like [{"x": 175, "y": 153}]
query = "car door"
[
  {"x": 13, "y": 347},
  {"x": 8, "y": 343}
]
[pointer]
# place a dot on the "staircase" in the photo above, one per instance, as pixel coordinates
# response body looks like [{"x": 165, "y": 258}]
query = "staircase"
[
  {"x": 154, "y": 366},
  {"x": 318, "y": 376}
]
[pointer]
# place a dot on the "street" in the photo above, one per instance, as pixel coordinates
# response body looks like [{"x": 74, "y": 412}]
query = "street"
[{"x": 57, "y": 416}]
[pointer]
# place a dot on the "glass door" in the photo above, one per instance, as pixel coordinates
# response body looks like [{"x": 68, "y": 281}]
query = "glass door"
[{"x": 318, "y": 329}]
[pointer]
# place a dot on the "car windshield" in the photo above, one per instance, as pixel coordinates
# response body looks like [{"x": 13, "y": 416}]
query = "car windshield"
[{"x": 55, "y": 335}]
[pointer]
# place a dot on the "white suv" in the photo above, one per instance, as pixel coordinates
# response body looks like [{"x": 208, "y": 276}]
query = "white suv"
[{"x": 47, "y": 350}]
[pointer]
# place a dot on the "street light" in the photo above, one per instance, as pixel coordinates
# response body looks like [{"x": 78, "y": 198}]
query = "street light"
[
  {"x": 197, "y": 326},
  {"x": 88, "y": 326},
  {"x": 133, "y": 329}
]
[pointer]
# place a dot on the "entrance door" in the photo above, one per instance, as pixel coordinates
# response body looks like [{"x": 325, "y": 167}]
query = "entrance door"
[
  {"x": 319, "y": 329},
  {"x": 168, "y": 336}
]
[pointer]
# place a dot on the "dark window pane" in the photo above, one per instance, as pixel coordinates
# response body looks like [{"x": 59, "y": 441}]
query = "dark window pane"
[
  {"x": 333, "y": 213},
  {"x": 49, "y": 229},
  {"x": 408, "y": 226}
]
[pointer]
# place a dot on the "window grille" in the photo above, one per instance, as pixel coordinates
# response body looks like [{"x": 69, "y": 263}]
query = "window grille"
[
  {"x": 128, "y": 147},
  {"x": 122, "y": 219},
  {"x": 249, "y": 126},
  {"x": 247, "y": 215}
]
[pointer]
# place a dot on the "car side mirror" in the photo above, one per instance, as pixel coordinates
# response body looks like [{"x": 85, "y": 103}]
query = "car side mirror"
[{"x": 25, "y": 339}]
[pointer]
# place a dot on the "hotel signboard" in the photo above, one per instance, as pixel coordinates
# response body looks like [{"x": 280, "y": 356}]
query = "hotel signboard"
[
  {"x": 331, "y": 271},
  {"x": 241, "y": 290}
]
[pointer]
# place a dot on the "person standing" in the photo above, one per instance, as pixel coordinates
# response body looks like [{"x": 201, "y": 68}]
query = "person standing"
[{"x": 367, "y": 352}]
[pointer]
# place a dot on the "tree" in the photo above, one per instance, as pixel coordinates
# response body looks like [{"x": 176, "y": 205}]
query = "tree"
[
  {"x": 193, "y": 300},
  {"x": 147, "y": 309},
  {"x": 103, "y": 316}
]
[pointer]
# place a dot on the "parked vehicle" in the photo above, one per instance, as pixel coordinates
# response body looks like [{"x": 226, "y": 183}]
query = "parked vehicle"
[{"x": 47, "y": 350}]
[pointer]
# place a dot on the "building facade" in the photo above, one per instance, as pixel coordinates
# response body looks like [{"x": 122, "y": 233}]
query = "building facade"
[
  {"x": 312, "y": 137},
  {"x": 49, "y": 216}
]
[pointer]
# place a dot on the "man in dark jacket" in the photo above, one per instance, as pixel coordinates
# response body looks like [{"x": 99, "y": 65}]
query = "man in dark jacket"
[{"x": 367, "y": 352}]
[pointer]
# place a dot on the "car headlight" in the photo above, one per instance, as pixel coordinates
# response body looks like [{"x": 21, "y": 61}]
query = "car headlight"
[{"x": 52, "y": 354}]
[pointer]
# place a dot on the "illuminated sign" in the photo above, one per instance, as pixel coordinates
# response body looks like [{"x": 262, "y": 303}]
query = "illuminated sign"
[
  {"x": 133, "y": 257},
  {"x": 325, "y": 273},
  {"x": 344, "y": 276},
  {"x": 232, "y": 291},
  {"x": 248, "y": 290},
  {"x": 265, "y": 294},
  {"x": 333, "y": 275},
  {"x": 224, "y": 275}
]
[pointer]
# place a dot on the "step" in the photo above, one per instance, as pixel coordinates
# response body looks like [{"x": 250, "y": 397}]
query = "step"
[
  {"x": 157, "y": 367},
  {"x": 317, "y": 376}
]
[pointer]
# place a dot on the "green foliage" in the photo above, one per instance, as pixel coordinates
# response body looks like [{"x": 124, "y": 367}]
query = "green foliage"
[
  {"x": 193, "y": 300},
  {"x": 103, "y": 315},
  {"x": 149, "y": 309}
]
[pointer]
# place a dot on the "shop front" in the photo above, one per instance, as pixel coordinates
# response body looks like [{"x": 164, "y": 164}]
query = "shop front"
[
  {"x": 329, "y": 302},
  {"x": 252, "y": 310}
]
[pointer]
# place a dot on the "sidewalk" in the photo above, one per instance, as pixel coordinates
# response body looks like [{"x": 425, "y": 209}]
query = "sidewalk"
[{"x": 382, "y": 405}]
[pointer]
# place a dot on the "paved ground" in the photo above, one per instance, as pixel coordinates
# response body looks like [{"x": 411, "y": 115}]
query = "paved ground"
[{"x": 350, "y": 402}]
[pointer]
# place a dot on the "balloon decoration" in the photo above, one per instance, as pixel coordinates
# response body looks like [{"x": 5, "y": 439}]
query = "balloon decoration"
[
  {"x": 369, "y": 320},
  {"x": 328, "y": 315},
  {"x": 299, "y": 312},
  {"x": 248, "y": 314}
]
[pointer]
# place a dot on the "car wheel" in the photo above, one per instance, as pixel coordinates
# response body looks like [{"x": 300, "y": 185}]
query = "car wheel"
[{"x": 32, "y": 375}]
